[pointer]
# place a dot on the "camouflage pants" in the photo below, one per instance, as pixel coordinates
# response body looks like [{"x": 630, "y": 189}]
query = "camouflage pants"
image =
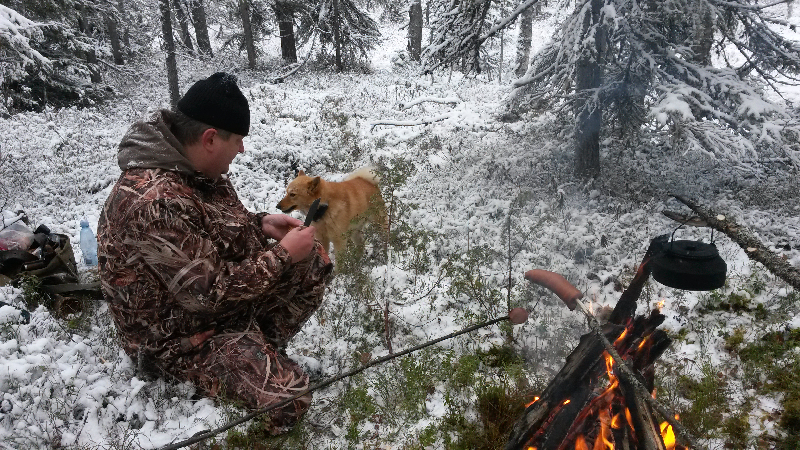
[{"x": 249, "y": 366}]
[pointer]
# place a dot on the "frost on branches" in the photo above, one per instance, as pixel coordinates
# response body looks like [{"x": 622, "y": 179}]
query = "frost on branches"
[
  {"x": 690, "y": 73},
  {"x": 16, "y": 32}
]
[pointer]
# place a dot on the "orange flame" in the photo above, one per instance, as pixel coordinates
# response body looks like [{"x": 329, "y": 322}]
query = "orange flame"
[
  {"x": 566, "y": 402},
  {"x": 609, "y": 364},
  {"x": 660, "y": 304},
  {"x": 613, "y": 380},
  {"x": 621, "y": 336},
  {"x": 629, "y": 418},
  {"x": 535, "y": 399},
  {"x": 580, "y": 443},
  {"x": 603, "y": 441},
  {"x": 616, "y": 422},
  {"x": 668, "y": 435}
]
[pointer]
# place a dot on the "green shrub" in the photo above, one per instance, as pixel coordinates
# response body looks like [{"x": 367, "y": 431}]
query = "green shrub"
[{"x": 708, "y": 400}]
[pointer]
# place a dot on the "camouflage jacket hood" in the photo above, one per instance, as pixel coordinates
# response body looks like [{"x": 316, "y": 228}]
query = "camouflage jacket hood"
[
  {"x": 179, "y": 253},
  {"x": 150, "y": 144}
]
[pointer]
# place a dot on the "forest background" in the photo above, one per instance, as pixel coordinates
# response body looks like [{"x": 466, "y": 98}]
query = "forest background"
[{"x": 509, "y": 136}]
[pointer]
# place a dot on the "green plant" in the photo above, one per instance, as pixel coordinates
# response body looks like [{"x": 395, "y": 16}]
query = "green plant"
[
  {"x": 708, "y": 400},
  {"x": 344, "y": 140},
  {"x": 32, "y": 293},
  {"x": 735, "y": 340},
  {"x": 736, "y": 429},
  {"x": 468, "y": 285},
  {"x": 497, "y": 408}
]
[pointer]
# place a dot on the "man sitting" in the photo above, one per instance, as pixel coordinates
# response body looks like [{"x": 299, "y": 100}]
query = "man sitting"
[{"x": 200, "y": 288}]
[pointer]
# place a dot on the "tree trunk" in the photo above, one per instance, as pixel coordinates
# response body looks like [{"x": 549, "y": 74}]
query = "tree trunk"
[
  {"x": 415, "y": 30},
  {"x": 84, "y": 25},
  {"x": 249, "y": 40},
  {"x": 285, "y": 17},
  {"x": 524, "y": 42},
  {"x": 183, "y": 22},
  {"x": 113, "y": 36},
  {"x": 702, "y": 35},
  {"x": 428, "y": 20},
  {"x": 169, "y": 48},
  {"x": 588, "y": 111},
  {"x": 94, "y": 70},
  {"x": 337, "y": 41},
  {"x": 201, "y": 27}
]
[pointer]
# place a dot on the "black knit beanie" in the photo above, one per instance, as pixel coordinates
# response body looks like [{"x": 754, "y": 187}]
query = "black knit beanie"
[{"x": 217, "y": 101}]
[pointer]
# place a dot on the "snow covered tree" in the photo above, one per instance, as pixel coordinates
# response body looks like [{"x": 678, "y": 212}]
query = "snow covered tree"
[
  {"x": 284, "y": 15},
  {"x": 248, "y": 35},
  {"x": 183, "y": 22},
  {"x": 198, "y": 10},
  {"x": 645, "y": 66},
  {"x": 460, "y": 28},
  {"x": 524, "y": 41},
  {"x": 42, "y": 59},
  {"x": 456, "y": 32},
  {"x": 247, "y": 21},
  {"x": 343, "y": 28}
]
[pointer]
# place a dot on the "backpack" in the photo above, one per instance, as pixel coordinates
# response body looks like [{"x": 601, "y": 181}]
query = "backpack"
[{"x": 49, "y": 258}]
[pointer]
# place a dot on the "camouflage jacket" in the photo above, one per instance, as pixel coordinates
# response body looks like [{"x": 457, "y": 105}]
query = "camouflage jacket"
[{"x": 179, "y": 254}]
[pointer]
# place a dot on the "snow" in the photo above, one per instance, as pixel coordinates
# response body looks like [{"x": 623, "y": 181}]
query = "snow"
[{"x": 470, "y": 176}]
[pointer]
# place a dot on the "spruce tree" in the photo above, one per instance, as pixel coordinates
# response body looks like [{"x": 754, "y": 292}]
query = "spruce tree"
[{"x": 666, "y": 69}]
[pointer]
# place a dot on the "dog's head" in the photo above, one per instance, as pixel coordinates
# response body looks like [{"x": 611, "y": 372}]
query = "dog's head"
[{"x": 300, "y": 193}]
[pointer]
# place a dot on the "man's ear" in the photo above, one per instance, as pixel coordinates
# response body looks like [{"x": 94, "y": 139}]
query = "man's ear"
[
  {"x": 207, "y": 138},
  {"x": 314, "y": 184}
]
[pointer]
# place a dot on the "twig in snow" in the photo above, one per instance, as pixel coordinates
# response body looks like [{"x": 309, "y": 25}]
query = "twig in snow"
[
  {"x": 410, "y": 123},
  {"x": 417, "y": 101}
]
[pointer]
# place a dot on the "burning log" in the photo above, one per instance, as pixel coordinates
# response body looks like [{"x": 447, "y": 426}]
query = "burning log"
[{"x": 592, "y": 403}]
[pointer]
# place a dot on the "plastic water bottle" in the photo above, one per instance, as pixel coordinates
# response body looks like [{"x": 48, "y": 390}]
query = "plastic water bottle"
[{"x": 88, "y": 244}]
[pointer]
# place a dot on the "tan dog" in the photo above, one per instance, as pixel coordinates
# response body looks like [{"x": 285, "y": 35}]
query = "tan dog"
[{"x": 351, "y": 204}]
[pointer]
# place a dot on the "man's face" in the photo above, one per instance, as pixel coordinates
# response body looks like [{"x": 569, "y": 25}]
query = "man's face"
[{"x": 225, "y": 150}]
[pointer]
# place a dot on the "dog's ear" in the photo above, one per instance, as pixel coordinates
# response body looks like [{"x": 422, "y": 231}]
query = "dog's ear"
[
  {"x": 301, "y": 173},
  {"x": 314, "y": 184}
]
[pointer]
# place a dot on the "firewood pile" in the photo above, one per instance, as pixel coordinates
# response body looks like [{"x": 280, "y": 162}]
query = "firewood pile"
[{"x": 591, "y": 403}]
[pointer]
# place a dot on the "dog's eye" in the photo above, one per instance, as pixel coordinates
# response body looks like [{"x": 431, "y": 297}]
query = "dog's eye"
[{"x": 291, "y": 195}]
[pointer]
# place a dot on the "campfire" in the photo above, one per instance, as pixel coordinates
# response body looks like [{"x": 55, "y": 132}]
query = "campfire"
[{"x": 591, "y": 404}]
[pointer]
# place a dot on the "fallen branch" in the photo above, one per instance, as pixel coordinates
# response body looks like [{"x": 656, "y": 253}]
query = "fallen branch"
[
  {"x": 410, "y": 123},
  {"x": 417, "y": 101},
  {"x": 754, "y": 249}
]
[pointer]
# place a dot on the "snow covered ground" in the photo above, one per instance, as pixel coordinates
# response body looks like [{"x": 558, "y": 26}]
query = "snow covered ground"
[{"x": 466, "y": 179}]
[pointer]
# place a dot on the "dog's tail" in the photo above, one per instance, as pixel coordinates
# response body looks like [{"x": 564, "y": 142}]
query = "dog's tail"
[{"x": 368, "y": 173}]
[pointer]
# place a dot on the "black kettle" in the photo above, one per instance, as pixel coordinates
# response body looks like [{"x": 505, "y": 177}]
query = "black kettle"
[{"x": 689, "y": 265}]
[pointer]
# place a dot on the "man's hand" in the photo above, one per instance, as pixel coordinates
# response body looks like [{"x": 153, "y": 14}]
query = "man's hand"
[
  {"x": 276, "y": 226},
  {"x": 299, "y": 242}
]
